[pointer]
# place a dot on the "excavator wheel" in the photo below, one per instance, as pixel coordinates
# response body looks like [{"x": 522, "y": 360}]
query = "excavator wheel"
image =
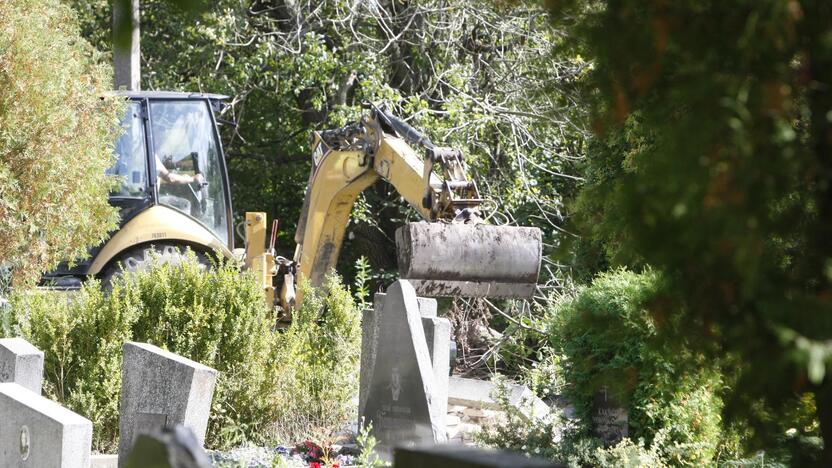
[{"x": 143, "y": 257}]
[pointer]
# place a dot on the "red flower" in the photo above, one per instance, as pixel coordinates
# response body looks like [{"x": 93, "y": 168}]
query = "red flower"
[
  {"x": 314, "y": 465},
  {"x": 335, "y": 465}
]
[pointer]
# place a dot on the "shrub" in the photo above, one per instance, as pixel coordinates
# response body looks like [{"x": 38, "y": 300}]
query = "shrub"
[
  {"x": 81, "y": 336},
  {"x": 318, "y": 357},
  {"x": 607, "y": 338},
  {"x": 218, "y": 318},
  {"x": 290, "y": 384},
  {"x": 604, "y": 338},
  {"x": 56, "y": 138},
  {"x": 516, "y": 433}
]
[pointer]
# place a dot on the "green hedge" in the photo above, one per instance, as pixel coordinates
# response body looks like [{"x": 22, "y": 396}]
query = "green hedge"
[
  {"x": 607, "y": 338},
  {"x": 216, "y": 317},
  {"x": 604, "y": 337}
]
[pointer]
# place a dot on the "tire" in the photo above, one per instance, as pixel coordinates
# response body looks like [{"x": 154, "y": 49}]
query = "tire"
[{"x": 143, "y": 257}]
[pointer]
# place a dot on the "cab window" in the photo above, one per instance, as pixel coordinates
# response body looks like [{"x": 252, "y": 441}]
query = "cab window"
[
  {"x": 131, "y": 160},
  {"x": 187, "y": 161}
]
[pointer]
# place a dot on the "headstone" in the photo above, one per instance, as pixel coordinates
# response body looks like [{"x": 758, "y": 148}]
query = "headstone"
[
  {"x": 36, "y": 432},
  {"x": 159, "y": 390},
  {"x": 438, "y": 345},
  {"x": 475, "y": 393},
  {"x": 453, "y": 456},
  {"x": 403, "y": 395},
  {"x": 21, "y": 363},
  {"x": 609, "y": 419},
  {"x": 369, "y": 346}
]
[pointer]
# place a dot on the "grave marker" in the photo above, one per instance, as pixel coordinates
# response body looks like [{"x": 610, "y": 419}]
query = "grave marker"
[
  {"x": 609, "y": 419},
  {"x": 36, "y": 432},
  {"x": 403, "y": 393},
  {"x": 160, "y": 390},
  {"x": 21, "y": 363}
]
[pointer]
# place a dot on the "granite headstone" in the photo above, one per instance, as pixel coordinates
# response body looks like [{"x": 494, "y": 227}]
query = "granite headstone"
[
  {"x": 161, "y": 390},
  {"x": 21, "y": 363},
  {"x": 37, "y": 432},
  {"x": 403, "y": 396},
  {"x": 609, "y": 419}
]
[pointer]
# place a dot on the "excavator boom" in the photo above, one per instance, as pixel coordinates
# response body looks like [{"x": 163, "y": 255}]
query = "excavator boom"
[{"x": 452, "y": 253}]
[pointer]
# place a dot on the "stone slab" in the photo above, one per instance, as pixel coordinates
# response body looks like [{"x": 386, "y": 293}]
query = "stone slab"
[
  {"x": 402, "y": 398},
  {"x": 36, "y": 432},
  {"x": 160, "y": 390},
  {"x": 369, "y": 345},
  {"x": 104, "y": 461},
  {"x": 450, "y": 456},
  {"x": 21, "y": 363},
  {"x": 438, "y": 338},
  {"x": 475, "y": 393}
]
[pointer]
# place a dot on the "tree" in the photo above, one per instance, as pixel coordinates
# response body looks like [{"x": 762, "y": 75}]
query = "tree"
[
  {"x": 469, "y": 75},
  {"x": 711, "y": 163},
  {"x": 56, "y": 139}
]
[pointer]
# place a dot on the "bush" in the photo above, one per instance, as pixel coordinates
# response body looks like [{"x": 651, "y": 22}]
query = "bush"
[
  {"x": 516, "y": 433},
  {"x": 608, "y": 340},
  {"x": 318, "y": 357},
  {"x": 214, "y": 317},
  {"x": 56, "y": 139},
  {"x": 604, "y": 338}
]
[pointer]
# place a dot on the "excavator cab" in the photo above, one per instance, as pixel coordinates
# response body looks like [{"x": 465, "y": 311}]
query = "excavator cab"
[{"x": 173, "y": 190}]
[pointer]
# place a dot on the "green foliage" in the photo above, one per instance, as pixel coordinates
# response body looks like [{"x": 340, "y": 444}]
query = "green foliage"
[
  {"x": 56, "y": 139},
  {"x": 710, "y": 163},
  {"x": 604, "y": 340},
  {"x": 217, "y": 318},
  {"x": 318, "y": 358},
  {"x": 81, "y": 336},
  {"x": 366, "y": 444},
  {"x": 469, "y": 75},
  {"x": 517, "y": 433},
  {"x": 306, "y": 375},
  {"x": 607, "y": 336},
  {"x": 556, "y": 438},
  {"x": 362, "y": 278}
]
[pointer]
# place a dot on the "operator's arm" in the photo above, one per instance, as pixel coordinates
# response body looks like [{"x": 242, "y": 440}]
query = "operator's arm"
[{"x": 173, "y": 177}]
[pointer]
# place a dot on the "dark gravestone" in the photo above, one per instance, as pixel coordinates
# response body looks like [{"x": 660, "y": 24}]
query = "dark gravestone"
[
  {"x": 403, "y": 399},
  {"x": 437, "y": 337},
  {"x": 454, "y": 456},
  {"x": 609, "y": 419}
]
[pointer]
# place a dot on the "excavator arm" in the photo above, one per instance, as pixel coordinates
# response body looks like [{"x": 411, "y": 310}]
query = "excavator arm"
[{"x": 453, "y": 253}]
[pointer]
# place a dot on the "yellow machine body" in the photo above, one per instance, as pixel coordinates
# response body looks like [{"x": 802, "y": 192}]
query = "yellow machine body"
[{"x": 157, "y": 224}]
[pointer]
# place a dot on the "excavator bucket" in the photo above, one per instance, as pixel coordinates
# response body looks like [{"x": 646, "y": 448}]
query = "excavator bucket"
[{"x": 472, "y": 260}]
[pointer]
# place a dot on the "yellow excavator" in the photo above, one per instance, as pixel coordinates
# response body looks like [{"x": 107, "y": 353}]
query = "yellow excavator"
[
  {"x": 453, "y": 253},
  {"x": 174, "y": 194}
]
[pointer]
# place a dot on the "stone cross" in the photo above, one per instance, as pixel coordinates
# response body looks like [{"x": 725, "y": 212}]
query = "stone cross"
[
  {"x": 159, "y": 390},
  {"x": 21, "y": 363},
  {"x": 36, "y": 432}
]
